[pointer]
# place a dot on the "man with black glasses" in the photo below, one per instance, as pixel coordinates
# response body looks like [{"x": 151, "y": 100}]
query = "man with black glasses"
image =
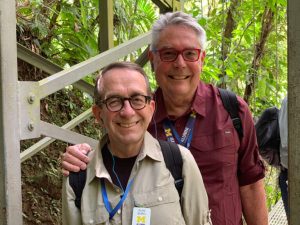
[
  {"x": 127, "y": 181},
  {"x": 191, "y": 113}
]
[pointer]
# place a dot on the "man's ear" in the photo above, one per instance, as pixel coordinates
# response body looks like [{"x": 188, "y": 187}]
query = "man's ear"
[
  {"x": 97, "y": 113},
  {"x": 202, "y": 56},
  {"x": 150, "y": 57},
  {"x": 201, "y": 61},
  {"x": 152, "y": 105}
]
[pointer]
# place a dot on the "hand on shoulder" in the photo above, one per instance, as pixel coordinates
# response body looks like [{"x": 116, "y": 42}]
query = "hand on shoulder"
[{"x": 75, "y": 158}]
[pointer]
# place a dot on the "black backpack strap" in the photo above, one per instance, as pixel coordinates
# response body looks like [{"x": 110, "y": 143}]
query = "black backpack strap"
[
  {"x": 173, "y": 160},
  {"x": 231, "y": 104},
  {"x": 77, "y": 182}
]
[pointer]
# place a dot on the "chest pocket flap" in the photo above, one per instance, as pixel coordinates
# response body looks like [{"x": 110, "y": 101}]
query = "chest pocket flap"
[{"x": 158, "y": 196}]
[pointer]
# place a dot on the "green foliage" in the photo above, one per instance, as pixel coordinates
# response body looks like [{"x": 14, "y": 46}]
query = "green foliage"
[
  {"x": 66, "y": 32},
  {"x": 271, "y": 186},
  {"x": 132, "y": 18}
]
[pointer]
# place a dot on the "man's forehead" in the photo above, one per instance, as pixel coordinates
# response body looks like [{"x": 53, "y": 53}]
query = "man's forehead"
[
  {"x": 117, "y": 73},
  {"x": 167, "y": 39},
  {"x": 119, "y": 84}
]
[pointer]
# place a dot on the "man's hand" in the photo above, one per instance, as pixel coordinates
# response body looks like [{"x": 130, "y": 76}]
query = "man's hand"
[{"x": 75, "y": 158}]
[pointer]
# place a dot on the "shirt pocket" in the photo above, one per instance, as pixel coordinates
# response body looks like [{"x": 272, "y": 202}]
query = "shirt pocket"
[
  {"x": 218, "y": 147},
  {"x": 164, "y": 204},
  {"x": 218, "y": 140},
  {"x": 99, "y": 216}
]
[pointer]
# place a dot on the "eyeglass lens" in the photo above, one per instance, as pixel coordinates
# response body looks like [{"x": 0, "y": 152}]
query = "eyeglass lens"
[
  {"x": 170, "y": 55},
  {"x": 137, "y": 102}
]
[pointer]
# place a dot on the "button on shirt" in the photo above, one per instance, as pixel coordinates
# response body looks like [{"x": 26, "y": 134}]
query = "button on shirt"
[
  {"x": 153, "y": 187},
  {"x": 225, "y": 162}
]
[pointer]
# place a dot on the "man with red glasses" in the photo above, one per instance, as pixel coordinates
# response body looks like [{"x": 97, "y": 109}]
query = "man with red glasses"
[{"x": 192, "y": 114}]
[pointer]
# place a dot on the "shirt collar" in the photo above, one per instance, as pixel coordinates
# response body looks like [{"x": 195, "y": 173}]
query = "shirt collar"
[
  {"x": 161, "y": 112},
  {"x": 150, "y": 148},
  {"x": 199, "y": 100},
  {"x": 96, "y": 166},
  {"x": 198, "y": 104}
]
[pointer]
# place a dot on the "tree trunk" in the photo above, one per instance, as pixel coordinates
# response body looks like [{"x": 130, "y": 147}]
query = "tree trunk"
[
  {"x": 267, "y": 24},
  {"x": 227, "y": 36}
]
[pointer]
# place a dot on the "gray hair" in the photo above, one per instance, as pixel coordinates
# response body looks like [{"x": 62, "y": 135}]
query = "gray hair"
[
  {"x": 177, "y": 18},
  {"x": 98, "y": 92}
]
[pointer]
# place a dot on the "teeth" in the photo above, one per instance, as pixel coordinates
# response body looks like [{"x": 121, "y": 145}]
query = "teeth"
[
  {"x": 127, "y": 125},
  {"x": 179, "y": 77}
]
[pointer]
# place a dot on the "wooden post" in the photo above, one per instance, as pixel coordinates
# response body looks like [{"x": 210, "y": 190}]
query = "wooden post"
[
  {"x": 294, "y": 110},
  {"x": 106, "y": 24}
]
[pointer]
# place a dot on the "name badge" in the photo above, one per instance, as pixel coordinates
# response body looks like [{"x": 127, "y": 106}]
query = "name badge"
[{"x": 141, "y": 216}]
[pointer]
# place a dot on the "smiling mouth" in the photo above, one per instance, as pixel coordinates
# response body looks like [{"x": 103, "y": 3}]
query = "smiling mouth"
[
  {"x": 127, "y": 125},
  {"x": 179, "y": 77}
]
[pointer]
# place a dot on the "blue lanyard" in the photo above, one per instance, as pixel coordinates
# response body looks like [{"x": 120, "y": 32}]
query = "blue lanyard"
[
  {"x": 187, "y": 135},
  {"x": 108, "y": 207}
]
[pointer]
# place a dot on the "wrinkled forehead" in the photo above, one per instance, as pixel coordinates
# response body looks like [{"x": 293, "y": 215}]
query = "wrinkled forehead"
[{"x": 122, "y": 81}]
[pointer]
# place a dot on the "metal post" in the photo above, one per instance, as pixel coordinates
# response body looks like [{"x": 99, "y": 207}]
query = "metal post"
[
  {"x": 294, "y": 109},
  {"x": 10, "y": 169}
]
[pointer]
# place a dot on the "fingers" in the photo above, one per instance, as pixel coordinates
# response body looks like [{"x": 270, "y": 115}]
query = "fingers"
[
  {"x": 65, "y": 172},
  {"x": 67, "y": 167},
  {"x": 85, "y": 149},
  {"x": 77, "y": 153},
  {"x": 75, "y": 158}
]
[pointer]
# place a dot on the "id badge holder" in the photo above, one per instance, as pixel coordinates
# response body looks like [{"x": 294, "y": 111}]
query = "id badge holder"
[{"x": 141, "y": 216}]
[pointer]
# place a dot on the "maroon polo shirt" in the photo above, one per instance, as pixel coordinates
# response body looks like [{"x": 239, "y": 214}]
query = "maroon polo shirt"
[{"x": 225, "y": 162}]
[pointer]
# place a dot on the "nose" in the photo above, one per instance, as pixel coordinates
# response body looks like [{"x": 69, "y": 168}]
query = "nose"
[
  {"x": 180, "y": 62},
  {"x": 127, "y": 110}
]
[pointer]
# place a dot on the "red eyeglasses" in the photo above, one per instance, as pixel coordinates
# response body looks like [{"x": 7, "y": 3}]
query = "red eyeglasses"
[{"x": 170, "y": 54}]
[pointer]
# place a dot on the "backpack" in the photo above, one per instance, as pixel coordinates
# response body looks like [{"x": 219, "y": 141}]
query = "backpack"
[
  {"x": 173, "y": 160},
  {"x": 268, "y": 136},
  {"x": 231, "y": 105}
]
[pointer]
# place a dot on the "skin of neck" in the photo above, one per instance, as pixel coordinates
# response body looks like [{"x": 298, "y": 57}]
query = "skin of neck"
[
  {"x": 176, "y": 106},
  {"x": 124, "y": 151}
]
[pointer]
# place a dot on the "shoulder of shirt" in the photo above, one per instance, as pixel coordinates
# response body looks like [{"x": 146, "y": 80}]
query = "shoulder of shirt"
[
  {"x": 151, "y": 148},
  {"x": 185, "y": 153}
]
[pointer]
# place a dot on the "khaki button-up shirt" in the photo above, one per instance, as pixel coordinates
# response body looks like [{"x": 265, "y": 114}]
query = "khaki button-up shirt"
[{"x": 153, "y": 187}]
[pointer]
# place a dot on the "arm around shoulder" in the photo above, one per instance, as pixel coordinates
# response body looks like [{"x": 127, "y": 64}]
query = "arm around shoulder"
[{"x": 194, "y": 200}]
